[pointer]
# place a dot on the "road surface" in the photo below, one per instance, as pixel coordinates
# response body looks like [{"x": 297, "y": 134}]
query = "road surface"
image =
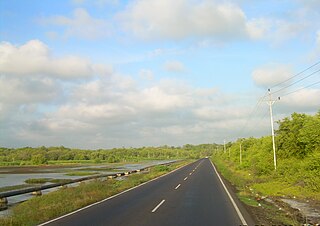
[{"x": 192, "y": 195}]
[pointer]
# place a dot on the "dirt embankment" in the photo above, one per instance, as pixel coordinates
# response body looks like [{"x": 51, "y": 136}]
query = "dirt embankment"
[{"x": 276, "y": 211}]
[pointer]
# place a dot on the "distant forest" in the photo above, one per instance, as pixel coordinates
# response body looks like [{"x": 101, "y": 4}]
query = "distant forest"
[{"x": 47, "y": 155}]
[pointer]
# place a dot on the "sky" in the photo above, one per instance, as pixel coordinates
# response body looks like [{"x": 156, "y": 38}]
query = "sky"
[{"x": 109, "y": 73}]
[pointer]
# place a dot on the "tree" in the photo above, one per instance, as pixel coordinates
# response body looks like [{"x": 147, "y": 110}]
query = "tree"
[
  {"x": 288, "y": 133},
  {"x": 309, "y": 135},
  {"x": 39, "y": 159}
]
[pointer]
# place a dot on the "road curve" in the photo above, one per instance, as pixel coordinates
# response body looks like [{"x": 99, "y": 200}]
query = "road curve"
[{"x": 190, "y": 196}]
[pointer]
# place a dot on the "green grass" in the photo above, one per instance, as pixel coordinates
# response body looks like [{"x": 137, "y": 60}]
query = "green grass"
[
  {"x": 37, "y": 180},
  {"x": 49, "y": 206},
  {"x": 45, "y": 180},
  {"x": 250, "y": 185},
  {"x": 273, "y": 184},
  {"x": 247, "y": 199}
]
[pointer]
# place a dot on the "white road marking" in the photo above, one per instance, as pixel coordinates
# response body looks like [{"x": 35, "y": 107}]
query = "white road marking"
[
  {"x": 111, "y": 197},
  {"x": 243, "y": 221},
  {"x": 190, "y": 174},
  {"x": 177, "y": 186},
  {"x": 155, "y": 208},
  {"x": 185, "y": 178}
]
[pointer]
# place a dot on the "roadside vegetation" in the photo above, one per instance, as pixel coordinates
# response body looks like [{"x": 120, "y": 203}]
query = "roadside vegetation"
[
  {"x": 298, "y": 164},
  {"x": 45, "y": 180},
  {"x": 49, "y": 206}
]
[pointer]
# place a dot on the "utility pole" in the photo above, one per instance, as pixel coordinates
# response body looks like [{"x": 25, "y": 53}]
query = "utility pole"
[
  {"x": 270, "y": 103},
  {"x": 224, "y": 146}
]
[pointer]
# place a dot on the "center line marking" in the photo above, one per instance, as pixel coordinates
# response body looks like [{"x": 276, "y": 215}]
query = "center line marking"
[
  {"x": 177, "y": 186},
  {"x": 185, "y": 178},
  {"x": 190, "y": 174},
  {"x": 155, "y": 208}
]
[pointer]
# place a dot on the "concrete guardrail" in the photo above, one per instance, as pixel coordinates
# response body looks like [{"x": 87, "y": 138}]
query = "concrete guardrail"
[{"x": 37, "y": 189}]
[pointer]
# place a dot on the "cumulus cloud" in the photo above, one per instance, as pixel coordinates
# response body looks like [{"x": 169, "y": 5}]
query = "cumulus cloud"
[
  {"x": 278, "y": 30},
  {"x": 34, "y": 58},
  {"x": 26, "y": 91},
  {"x": 174, "y": 66},
  {"x": 165, "y": 19},
  {"x": 271, "y": 74},
  {"x": 258, "y": 28},
  {"x": 217, "y": 114},
  {"x": 115, "y": 111},
  {"x": 81, "y": 25},
  {"x": 306, "y": 100}
]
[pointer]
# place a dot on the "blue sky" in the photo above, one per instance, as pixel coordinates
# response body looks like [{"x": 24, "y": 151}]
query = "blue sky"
[{"x": 111, "y": 73}]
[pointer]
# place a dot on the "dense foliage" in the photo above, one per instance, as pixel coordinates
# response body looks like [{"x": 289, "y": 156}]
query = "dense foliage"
[
  {"x": 298, "y": 157},
  {"x": 44, "y": 155}
]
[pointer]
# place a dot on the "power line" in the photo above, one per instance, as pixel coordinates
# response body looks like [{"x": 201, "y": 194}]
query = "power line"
[
  {"x": 254, "y": 111},
  {"x": 296, "y": 81},
  {"x": 301, "y": 89},
  {"x": 295, "y": 75}
]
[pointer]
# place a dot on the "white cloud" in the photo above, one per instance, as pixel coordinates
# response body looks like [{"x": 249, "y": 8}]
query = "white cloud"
[
  {"x": 217, "y": 114},
  {"x": 258, "y": 28},
  {"x": 25, "y": 91},
  {"x": 34, "y": 58},
  {"x": 271, "y": 74},
  {"x": 81, "y": 25},
  {"x": 165, "y": 19},
  {"x": 115, "y": 111},
  {"x": 306, "y": 100},
  {"x": 146, "y": 74},
  {"x": 174, "y": 66}
]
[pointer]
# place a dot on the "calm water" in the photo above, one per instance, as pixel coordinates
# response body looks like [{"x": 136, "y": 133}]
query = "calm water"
[{"x": 9, "y": 176}]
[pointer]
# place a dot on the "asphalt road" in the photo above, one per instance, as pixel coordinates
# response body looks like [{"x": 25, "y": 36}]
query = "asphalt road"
[{"x": 192, "y": 195}]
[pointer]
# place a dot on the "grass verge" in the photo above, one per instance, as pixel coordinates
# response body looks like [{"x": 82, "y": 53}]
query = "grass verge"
[
  {"x": 52, "y": 205},
  {"x": 252, "y": 190}
]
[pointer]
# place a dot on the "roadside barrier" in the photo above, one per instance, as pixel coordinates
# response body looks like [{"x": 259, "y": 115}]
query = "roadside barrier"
[{"x": 37, "y": 189}]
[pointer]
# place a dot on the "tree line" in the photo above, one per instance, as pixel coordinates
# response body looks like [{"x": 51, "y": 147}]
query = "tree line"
[{"x": 45, "y": 155}]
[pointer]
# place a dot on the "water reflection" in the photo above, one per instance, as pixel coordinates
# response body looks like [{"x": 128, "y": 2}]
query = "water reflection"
[{"x": 15, "y": 176}]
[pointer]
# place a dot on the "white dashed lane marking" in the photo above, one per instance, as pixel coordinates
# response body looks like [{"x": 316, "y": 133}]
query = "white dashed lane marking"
[{"x": 155, "y": 208}]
